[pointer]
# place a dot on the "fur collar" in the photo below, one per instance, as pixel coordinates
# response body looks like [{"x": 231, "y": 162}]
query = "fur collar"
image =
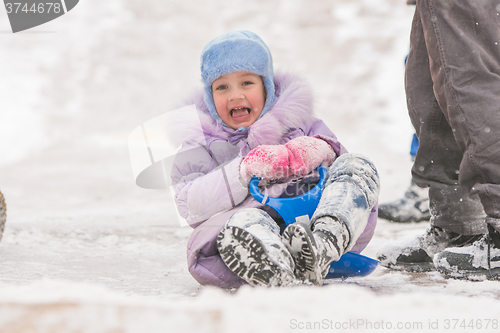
[{"x": 293, "y": 108}]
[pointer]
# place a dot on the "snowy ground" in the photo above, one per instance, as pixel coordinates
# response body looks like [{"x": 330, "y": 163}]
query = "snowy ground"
[{"x": 85, "y": 250}]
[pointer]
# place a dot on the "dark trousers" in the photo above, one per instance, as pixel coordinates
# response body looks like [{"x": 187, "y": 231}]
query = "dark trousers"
[{"x": 453, "y": 95}]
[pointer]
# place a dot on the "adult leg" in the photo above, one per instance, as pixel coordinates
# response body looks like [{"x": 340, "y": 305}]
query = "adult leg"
[
  {"x": 414, "y": 205},
  {"x": 468, "y": 91},
  {"x": 457, "y": 217},
  {"x": 437, "y": 115}
]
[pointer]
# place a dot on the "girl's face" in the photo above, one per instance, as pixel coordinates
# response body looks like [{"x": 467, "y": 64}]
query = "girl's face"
[{"x": 239, "y": 98}]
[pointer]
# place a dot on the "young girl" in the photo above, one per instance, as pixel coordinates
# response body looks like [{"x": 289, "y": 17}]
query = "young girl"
[{"x": 256, "y": 123}]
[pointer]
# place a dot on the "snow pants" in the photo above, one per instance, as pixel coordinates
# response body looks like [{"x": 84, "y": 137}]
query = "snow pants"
[
  {"x": 350, "y": 194},
  {"x": 453, "y": 94}
]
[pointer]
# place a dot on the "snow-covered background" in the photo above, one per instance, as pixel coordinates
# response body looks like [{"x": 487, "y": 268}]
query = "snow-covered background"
[{"x": 86, "y": 250}]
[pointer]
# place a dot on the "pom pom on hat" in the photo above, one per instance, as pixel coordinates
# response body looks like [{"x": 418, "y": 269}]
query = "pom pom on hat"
[{"x": 237, "y": 51}]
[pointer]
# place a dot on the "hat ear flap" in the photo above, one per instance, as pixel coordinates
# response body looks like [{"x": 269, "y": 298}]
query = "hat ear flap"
[{"x": 209, "y": 101}]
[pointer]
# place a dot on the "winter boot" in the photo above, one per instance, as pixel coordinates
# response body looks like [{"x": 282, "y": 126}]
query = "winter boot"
[
  {"x": 415, "y": 254},
  {"x": 351, "y": 191},
  {"x": 314, "y": 250},
  {"x": 3, "y": 214},
  {"x": 250, "y": 245},
  {"x": 413, "y": 207},
  {"x": 478, "y": 261}
]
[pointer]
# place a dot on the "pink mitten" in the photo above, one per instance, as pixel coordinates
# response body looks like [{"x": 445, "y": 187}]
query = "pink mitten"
[
  {"x": 267, "y": 162},
  {"x": 306, "y": 153}
]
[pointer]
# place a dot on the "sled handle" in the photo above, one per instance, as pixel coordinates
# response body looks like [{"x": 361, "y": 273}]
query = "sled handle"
[
  {"x": 291, "y": 208},
  {"x": 350, "y": 264}
]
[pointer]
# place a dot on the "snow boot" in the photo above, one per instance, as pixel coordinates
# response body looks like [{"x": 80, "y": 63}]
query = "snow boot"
[
  {"x": 314, "y": 250},
  {"x": 250, "y": 245},
  {"x": 415, "y": 254},
  {"x": 479, "y": 261},
  {"x": 3, "y": 214},
  {"x": 413, "y": 207},
  {"x": 351, "y": 191}
]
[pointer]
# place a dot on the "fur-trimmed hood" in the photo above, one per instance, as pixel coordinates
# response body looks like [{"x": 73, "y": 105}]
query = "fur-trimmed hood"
[{"x": 293, "y": 108}]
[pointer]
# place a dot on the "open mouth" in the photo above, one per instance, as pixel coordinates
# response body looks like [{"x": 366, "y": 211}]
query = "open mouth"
[{"x": 239, "y": 112}]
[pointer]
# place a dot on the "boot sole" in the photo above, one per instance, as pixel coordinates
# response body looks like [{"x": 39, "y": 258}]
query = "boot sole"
[
  {"x": 411, "y": 267},
  {"x": 403, "y": 219},
  {"x": 474, "y": 275},
  {"x": 304, "y": 258},
  {"x": 258, "y": 269}
]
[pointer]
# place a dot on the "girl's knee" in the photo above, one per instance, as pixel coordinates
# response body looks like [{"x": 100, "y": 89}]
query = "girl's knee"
[
  {"x": 353, "y": 164},
  {"x": 357, "y": 170}
]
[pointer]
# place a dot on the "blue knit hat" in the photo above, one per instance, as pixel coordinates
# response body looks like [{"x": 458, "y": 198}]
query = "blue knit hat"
[{"x": 236, "y": 51}]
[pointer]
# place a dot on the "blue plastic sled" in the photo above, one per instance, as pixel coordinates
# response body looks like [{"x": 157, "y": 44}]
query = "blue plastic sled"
[{"x": 302, "y": 207}]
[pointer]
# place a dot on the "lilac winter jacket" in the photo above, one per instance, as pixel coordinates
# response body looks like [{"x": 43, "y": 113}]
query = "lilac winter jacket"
[{"x": 206, "y": 177}]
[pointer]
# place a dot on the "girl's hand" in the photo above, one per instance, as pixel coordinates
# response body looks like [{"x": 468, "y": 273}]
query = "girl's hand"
[
  {"x": 306, "y": 153},
  {"x": 267, "y": 162}
]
